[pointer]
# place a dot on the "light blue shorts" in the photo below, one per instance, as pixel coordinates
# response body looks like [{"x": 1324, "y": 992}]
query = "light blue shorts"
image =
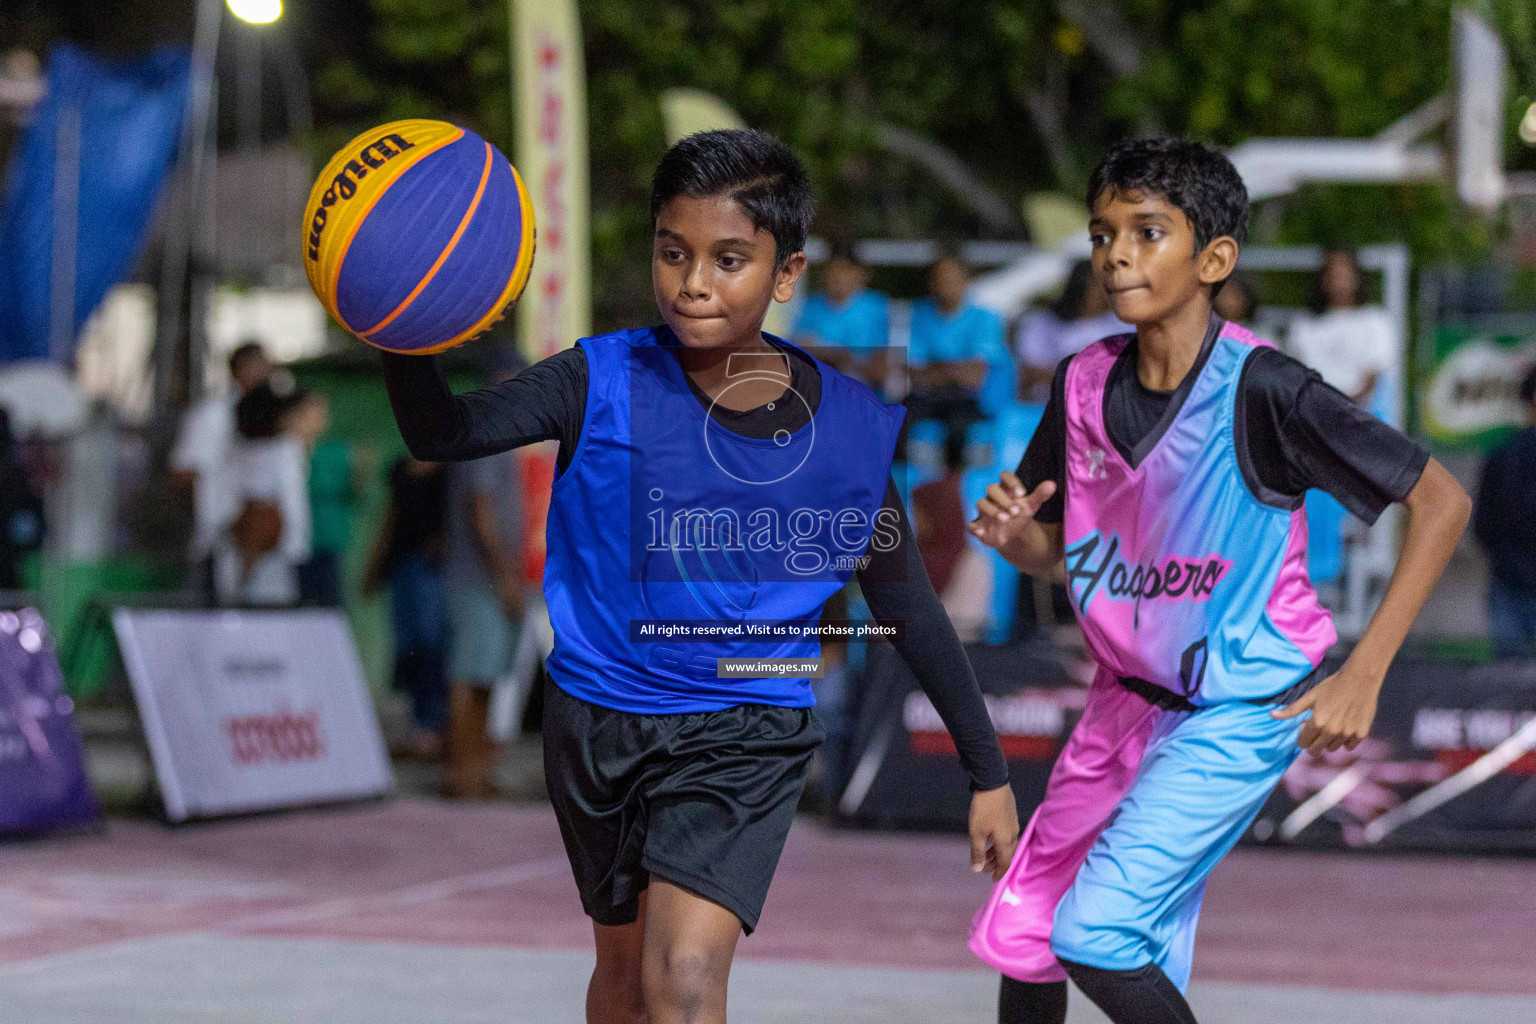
[
  {"x": 482, "y": 641},
  {"x": 1203, "y": 779}
]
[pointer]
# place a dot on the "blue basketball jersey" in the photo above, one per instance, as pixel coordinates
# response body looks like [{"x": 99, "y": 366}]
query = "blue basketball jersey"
[{"x": 664, "y": 514}]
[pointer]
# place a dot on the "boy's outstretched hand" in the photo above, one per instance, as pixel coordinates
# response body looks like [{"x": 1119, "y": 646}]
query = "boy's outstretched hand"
[
  {"x": 1343, "y": 707},
  {"x": 1007, "y": 508},
  {"x": 994, "y": 831},
  {"x": 1344, "y": 704}
]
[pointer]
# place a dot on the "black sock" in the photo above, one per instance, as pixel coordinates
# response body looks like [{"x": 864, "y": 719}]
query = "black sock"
[
  {"x": 1142, "y": 996},
  {"x": 1027, "y": 1002}
]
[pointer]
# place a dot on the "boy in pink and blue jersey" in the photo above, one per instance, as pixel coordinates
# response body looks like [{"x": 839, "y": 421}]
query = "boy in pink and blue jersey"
[{"x": 1168, "y": 478}]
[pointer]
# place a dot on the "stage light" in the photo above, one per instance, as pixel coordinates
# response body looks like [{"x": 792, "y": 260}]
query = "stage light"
[
  {"x": 1528, "y": 126},
  {"x": 257, "y": 12}
]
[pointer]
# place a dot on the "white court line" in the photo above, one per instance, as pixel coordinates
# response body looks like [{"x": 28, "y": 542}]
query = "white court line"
[
  {"x": 424, "y": 892},
  {"x": 15, "y": 968}
]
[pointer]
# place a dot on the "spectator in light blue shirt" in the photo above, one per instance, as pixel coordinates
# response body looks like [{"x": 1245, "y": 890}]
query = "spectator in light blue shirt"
[
  {"x": 847, "y": 324},
  {"x": 960, "y": 364}
]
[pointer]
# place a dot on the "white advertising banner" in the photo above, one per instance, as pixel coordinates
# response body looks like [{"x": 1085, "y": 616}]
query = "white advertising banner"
[{"x": 252, "y": 710}]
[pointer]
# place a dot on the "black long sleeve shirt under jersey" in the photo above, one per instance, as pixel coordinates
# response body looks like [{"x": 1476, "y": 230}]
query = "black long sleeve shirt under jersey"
[
  {"x": 548, "y": 401},
  {"x": 1293, "y": 433}
]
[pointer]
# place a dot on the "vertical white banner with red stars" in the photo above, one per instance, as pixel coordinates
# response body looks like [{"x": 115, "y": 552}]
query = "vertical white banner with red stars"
[{"x": 549, "y": 97}]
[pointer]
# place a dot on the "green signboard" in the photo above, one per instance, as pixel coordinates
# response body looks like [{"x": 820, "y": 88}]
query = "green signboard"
[{"x": 1469, "y": 395}]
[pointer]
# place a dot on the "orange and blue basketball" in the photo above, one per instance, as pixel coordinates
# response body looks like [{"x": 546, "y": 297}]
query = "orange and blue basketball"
[{"x": 418, "y": 236}]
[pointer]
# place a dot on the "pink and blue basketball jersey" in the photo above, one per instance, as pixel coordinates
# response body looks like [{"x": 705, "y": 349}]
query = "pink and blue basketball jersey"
[{"x": 1179, "y": 574}]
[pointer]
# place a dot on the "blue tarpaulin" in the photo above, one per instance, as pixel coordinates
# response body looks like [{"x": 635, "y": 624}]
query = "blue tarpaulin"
[{"x": 83, "y": 182}]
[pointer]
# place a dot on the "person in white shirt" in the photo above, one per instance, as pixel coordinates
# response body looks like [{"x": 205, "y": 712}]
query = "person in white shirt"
[
  {"x": 264, "y": 533},
  {"x": 1047, "y": 336},
  {"x": 203, "y": 446},
  {"x": 1350, "y": 344}
]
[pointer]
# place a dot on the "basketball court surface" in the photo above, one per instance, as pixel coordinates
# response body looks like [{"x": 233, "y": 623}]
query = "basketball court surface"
[{"x": 425, "y": 912}]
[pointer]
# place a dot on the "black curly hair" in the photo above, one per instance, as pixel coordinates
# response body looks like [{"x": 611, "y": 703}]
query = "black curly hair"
[
  {"x": 1193, "y": 176},
  {"x": 753, "y": 168}
]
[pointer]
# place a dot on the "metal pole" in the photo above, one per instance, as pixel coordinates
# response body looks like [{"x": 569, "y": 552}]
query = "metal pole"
[
  {"x": 249, "y": 92},
  {"x": 202, "y": 266},
  {"x": 66, "y": 232},
  {"x": 179, "y": 236},
  {"x": 301, "y": 118}
]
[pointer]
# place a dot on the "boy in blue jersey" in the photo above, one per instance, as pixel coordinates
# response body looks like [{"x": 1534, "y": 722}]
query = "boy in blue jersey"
[
  {"x": 710, "y": 472},
  {"x": 1168, "y": 475}
]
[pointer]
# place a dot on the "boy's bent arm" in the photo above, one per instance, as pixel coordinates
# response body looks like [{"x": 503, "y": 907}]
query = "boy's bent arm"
[
  {"x": 544, "y": 402},
  {"x": 1006, "y": 516},
  {"x": 1438, "y": 511},
  {"x": 1005, "y": 520},
  {"x": 896, "y": 587},
  {"x": 932, "y": 651},
  {"x": 1344, "y": 705},
  {"x": 432, "y": 422}
]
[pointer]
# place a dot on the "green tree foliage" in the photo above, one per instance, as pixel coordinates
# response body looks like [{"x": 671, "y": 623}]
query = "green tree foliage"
[
  {"x": 1027, "y": 92},
  {"x": 1349, "y": 68},
  {"x": 823, "y": 76}
]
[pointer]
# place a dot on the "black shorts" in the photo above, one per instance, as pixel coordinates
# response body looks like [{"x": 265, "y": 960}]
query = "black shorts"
[{"x": 704, "y": 800}]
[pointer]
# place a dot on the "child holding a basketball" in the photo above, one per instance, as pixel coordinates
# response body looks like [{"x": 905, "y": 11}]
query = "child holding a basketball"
[
  {"x": 707, "y": 473},
  {"x": 1168, "y": 474}
]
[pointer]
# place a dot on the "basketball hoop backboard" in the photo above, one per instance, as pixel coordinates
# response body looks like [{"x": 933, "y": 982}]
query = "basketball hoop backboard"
[
  {"x": 1477, "y": 130},
  {"x": 1472, "y": 154}
]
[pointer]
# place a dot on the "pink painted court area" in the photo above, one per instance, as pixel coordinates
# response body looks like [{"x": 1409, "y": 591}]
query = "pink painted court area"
[{"x": 424, "y": 911}]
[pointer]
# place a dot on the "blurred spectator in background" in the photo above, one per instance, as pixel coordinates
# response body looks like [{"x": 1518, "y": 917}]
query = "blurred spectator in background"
[
  {"x": 408, "y": 555},
  {"x": 960, "y": 365},
  {"x": 264, "y": 532},
  {"x": 846, "y": 323},
  {"x": 483, "y": 576},
  {"x": 1504, "y": 522},
  {"x": 334, "y": 491},
  {"x": 1076, "y": 320},
  {"x": 938, "y": 517},
  {"x": 960, "y": 570},
  {"x": 1349, "y": 343},
  {"x": 1237, "y": 302},
  {"x": 202, "y": 450},
  {"x": 21, "y": 511}
]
